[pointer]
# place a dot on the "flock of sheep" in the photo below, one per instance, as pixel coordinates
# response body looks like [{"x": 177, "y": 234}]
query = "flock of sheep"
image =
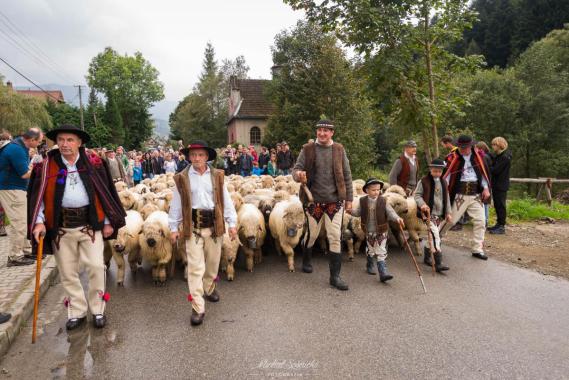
[{"x": 269, "y": 212}]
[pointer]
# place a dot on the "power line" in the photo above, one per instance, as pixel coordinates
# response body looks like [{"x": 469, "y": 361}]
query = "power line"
[{"x": 29, "y": 80}]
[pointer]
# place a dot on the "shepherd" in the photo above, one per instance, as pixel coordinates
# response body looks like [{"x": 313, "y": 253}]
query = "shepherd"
[{"x": 72, "y": 200}]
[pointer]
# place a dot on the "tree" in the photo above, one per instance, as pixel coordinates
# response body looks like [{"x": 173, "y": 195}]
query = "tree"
[
  {"x": 19, "y": 113},
  {"x": 317, "y": 80},
  {"x": 202, "y": 114},
  {"x": 404, "y": 46},
  {"x": 132, "y": 82}
]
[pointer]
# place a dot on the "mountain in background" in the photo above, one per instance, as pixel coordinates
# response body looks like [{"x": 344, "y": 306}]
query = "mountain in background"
[{"x": 160, "y": 111}]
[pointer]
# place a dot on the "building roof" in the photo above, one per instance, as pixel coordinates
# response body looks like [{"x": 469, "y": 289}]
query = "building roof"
[
  {"x": 54, "y": 95},
  {"x": 253, "y": 102}
]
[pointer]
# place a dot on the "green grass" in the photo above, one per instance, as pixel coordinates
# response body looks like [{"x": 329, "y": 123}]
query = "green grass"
[{"x": 528, "y": 209}]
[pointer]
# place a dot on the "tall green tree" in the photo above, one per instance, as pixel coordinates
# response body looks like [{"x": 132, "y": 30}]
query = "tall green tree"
[
  {"x": 317, "y": 79},
  {"x": 132, "y": 82},
  {"x": 404, "y": 47}
]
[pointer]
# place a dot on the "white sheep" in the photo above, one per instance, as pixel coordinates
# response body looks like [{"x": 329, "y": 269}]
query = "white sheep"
[
  {"x": 286, "y": 225},
  {"x": 155, "y": 245},
  {"x": 406, "y": 208},
  {"x": 251, "y": 230},
  {"x": 127, "y": 243}
]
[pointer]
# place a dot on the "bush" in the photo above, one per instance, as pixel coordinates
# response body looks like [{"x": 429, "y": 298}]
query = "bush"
[{"x": 529, "y": 209}]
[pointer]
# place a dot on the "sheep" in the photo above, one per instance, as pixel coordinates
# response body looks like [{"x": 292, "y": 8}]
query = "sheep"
[
  {"x": 251, "y": 231},
  {"x": 294, "y": 188},
  {"x": 246, "y": 188},
  {"x": 281, "y": 195},
  {"x": 127, "y": 243},
  {"x": 230, "y": 187},
  {"x": 282, "y": 186},
  {"x": 155, "y": 245},
  {"x": 129, "y": 200},
  {"x": 267, "y": 182},
  {"x": 406, "y": 208},
  {"x": 148, "y": 209},
  {"x": 146, "y": 181},
  {"x": 358, "y": 185},
  {"x": 120, "y": 186},
  {"x": 141, "y": 189},
  {"x": 229, "y": 254},
  {"x": 158, "y": 187},
  {"x": 286, "y": 225},
  {"x": 237, "y": 200},
  {"x": 353, "y": 234}
]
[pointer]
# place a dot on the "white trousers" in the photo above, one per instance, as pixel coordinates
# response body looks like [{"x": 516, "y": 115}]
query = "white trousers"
[{"x": 475, "y": 208}]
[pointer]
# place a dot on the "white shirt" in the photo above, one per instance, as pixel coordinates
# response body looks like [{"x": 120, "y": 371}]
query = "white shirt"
[
  {"x": 410, "y": 158},
  {"x": 75, "y": 195},
  {"x": 468, "y": 173},
  {"x": 202, "y": 198},
  {"x": 170, "y": 166}
]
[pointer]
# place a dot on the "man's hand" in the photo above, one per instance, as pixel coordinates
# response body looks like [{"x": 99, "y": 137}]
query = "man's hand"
[
  {"x": 174, "y": 236},
  {"x": 233, "y": 233},
  {"x": 348, "y": 207},
  {"x": 401, "y": 223},
  {"x": 107, "y": 230},
  {"x": 449, "y": 218},
  {"x": 425, "y": 208},
  {"x": 301, "y": 175},
  {"x": 39, "y": 229},
  {"x": 485, "y": 194}
]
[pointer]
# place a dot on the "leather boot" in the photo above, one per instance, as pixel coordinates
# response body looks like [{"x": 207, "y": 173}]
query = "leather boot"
[
  {"x": 73, "y": 323},
  {"x": 335, "y": 267},
  {"x": 427, "y": 256},
  {"x": 197, "y": 318},
  {"x": 439, "y": 266},
  {"x": 307, "y": 259},
  {"x": 370, "y": 265},
  {"x": 383, "y": 274}
]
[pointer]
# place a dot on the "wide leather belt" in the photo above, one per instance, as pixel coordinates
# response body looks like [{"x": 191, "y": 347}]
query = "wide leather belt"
[
  {"x": 468, "y": 188},
  {"x": 202, "y": 218},
  {"x": 74, "y": 217}
]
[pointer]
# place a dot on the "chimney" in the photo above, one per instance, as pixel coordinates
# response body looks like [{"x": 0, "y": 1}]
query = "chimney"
[
  {"x": 10, "y": 87},
  {"x": 276, "y": 70}
]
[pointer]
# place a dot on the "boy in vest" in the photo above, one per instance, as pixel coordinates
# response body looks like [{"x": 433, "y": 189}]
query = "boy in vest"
[
  {"x": 376, "y": 213},
  {"x": 432, "y": 198}
]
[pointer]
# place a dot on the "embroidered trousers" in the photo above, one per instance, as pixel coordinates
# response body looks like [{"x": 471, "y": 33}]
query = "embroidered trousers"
[
  {"x": 204, "y": 253},
  {"x": 473, "y": 205},
  {"x": 333, "y": 230},
  {"x": 377, "y": 246},
  {"x": 80, "y": 249}
]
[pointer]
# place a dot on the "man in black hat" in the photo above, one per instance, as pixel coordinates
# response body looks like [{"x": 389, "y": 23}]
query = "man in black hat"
[
  {"x": 376, "y": 213},
  {"x": 324, "y": 167},
  {"x": 73, "y": 202},
  {"x": 202, "y": 206},
  {"x": 433, "y": 200},
  {"x": 405, "y": 170},
  {"x": 468, "y": 187}
]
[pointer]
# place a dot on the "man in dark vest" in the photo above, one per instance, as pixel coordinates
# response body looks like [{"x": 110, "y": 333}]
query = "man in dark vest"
[
  {"x": 405, "y": 170},
  {"x": 468, "y": 187},
  {"x": 73, "y": 202},
  {"x": 324, "y": 167},
  {"x": 202, "y": 205},
  {"x": 433, "y": 199}
]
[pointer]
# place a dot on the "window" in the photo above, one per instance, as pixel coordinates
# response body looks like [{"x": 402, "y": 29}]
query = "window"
[{"x": 255, "y": 136}]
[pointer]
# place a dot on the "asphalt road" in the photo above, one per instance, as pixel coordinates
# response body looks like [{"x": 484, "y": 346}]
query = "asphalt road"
[{"x": 483, "y": 320}]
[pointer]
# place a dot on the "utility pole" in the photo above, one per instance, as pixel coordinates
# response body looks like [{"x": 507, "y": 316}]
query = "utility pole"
[{"x": 80, "y": 107}]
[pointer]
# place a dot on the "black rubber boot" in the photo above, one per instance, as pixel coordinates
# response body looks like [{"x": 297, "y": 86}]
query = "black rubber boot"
[
  {"x": 307, "y": 259},
  {"x": 439, "y": 266},
  {"x": 370, "y": 265},
  {"x": 383, "y": 274},
  {"x": 427, "y": 256},
  {"x": 335, "y": 267}
]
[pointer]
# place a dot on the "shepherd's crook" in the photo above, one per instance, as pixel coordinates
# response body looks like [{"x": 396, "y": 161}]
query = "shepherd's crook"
[
  {"x": 427, "y": 220},
  {"x": 413, "y": 258},
  {"x": 37, "y": 290}
]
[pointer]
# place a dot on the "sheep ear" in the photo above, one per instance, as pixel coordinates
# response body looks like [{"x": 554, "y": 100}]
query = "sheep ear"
[{"x": 141, "y": 231}]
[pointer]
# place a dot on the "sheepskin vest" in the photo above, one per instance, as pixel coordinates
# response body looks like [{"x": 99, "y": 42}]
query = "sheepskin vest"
[
  {"x": 183, "y": 185},
  {"x": 338, "y": 168},
  {"x": 380, "y": 214},
  {"x": 404, "y": 174},
  {"x": 428, "y": 183}
]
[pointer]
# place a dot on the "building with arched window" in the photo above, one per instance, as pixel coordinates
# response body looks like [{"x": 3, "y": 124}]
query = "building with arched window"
[{"x": 249, "y": 111}]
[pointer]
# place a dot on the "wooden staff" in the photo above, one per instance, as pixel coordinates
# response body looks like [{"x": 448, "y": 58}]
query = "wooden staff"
[
  {"x": 39, "y": 258},
  {"x": 413, "y": 258},
  {"x": 427, "y": 220}
]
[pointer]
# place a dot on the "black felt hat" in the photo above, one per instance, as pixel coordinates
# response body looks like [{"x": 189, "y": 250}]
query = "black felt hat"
[
  {"x": 464, "y": 141},
  {"x": 438, "y": 163},
  {"x": 200, "y": 144},
  {"x": 325, "y": 124},
  {"x": 373, "y": 181},
  {"x": 68, "y": 128}
]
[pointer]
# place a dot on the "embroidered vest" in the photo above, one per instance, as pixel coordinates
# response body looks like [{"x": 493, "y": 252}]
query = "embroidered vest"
[
  {"x": 338, "y": 168},
  {"x": 380, "y": 214}
]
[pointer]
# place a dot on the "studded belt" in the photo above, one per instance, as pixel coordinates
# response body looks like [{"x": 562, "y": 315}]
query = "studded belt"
[{"x": 74, "y": 217}]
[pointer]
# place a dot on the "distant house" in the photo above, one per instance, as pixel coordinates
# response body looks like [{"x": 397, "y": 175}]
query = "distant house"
[
  {"x": 52, "y": 95},
  {"x": 249, "y": 111}
]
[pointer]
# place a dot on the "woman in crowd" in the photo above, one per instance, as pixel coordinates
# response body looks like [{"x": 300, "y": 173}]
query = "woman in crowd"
[
  {"x": 169, "y": 164},
  {"x": 147, "y": 166},
  {"x": 272, "y": 165},
  {"x": 182, "y": 163},
  {"x": 137, "y": 170},
  {"x": 500, "y": 171}
]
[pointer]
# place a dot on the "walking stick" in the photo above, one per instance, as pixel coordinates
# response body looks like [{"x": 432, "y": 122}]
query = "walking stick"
[
  {"x": 37, "y": 289},
  {"x": 427, "y": 220},
  {"x": 413, "y": 258}
]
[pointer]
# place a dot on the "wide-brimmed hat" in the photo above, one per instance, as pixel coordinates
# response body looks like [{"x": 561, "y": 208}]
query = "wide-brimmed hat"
[
  {"x": 68, "y": 128},
  {"x": 438, "y": 163},
  {"x": 464, "y": 141},
  {"x": 411, "y": 144},
  {"x": 324, "y": 123},
  {"x": 373, "y": 181},
  {"x": 200, "y": 144}
]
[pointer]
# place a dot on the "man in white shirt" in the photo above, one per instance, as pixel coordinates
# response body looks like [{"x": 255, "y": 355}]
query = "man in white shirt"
[
  {"x": 201, "y": 205},
  {"x": 73, "y": 202}
]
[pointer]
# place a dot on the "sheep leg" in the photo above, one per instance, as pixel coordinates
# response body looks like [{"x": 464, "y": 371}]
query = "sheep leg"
[
  {"x": 155, "y": 274},
  {"x": 416, "y": 242},
  {"x": 249, "y": 259},
  {"x": 357, "y": 245},
  {"x": 278, "y": 247},
  {"x": 289, "y": 252},
  {"x": 350, "y": 245},
  {"x": 258, "y": 259},
  {"x": 133, "y": 258},
  {"x": 119, "y": 259},
  {"x": 223, "y": 262},
  {"x": 162, "y": 274},
  {"x": 107, "y": 254},
  {"x": 230, "y": 269}
]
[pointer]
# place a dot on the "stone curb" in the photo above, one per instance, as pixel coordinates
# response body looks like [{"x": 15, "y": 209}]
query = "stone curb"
[{"x": 23, "y": 304}]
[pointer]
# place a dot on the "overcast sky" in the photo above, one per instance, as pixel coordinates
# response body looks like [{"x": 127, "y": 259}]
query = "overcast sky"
[{"x": 171, "y": 34}]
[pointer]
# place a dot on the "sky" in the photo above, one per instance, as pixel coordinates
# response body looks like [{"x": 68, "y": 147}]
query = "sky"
[{"x": 53, "y": 41}]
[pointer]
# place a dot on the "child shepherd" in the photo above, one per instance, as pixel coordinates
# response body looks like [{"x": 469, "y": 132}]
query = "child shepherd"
[
  {"x": 432, "y": 197},
  {"x": 375, "y": 214}
]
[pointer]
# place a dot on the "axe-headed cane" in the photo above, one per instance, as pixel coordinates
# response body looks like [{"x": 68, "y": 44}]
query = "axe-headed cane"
[
  {"x": 413, "y": 258},
  {"x": 37, "y": 288},
  {"x": 427, "y": 219}
]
